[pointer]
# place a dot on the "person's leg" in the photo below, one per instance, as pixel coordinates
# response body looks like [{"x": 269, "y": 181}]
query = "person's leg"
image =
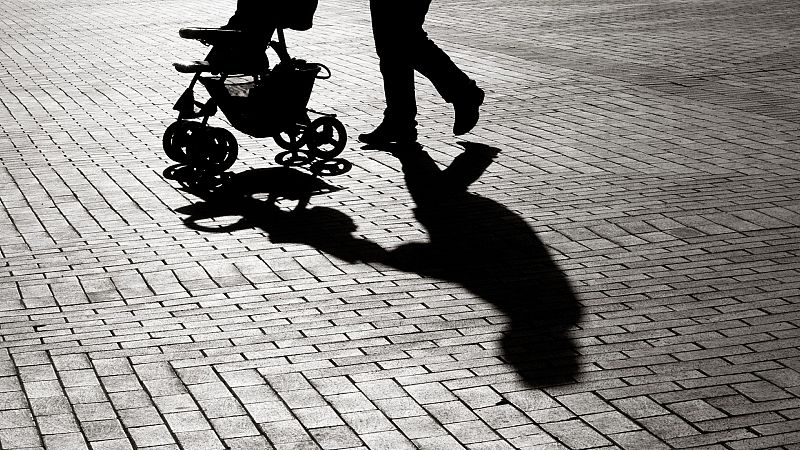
[
  {"x": 392, "y": 25},
  {"x": 450, "y": 81}
]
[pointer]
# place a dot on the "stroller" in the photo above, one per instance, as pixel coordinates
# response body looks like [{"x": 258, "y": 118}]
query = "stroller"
[{"x": 258, "y": 100}]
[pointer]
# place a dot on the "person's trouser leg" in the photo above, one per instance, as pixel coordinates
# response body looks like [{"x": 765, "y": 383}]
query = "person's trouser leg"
[
  {"x": 434, "y": 64},
  {"x": 403, "y": 47},
  {"x": 396, "y": 26}
]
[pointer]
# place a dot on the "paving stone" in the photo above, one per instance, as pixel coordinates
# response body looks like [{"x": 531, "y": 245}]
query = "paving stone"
[
  {"x": 638, "y": 407},
  {"x": 367, "y": 421},
  {"x": 102, "y": 430},
  {"x": 68, "y": 440},
  {"x": 51, "y": 405},
  {"x": 638, "y": 439},
  {"x": 575, "y": 434},
  {"x": 336, "y": 437},
  {"x": 199, "y": 439},
  {"x": 285, "y": 432},
  {"x": 25, "y": 437},
  {"x": 15, "y": 418},
  {"x": 248, "y": 443},
  {"x": 320, "y": 416},
  {"x": 221, "y": 407},
  {"x": 667, "y": 427},
  {"x": 451, "y": 412},
  {"x": 112, "y": 444},
  {"x": 152, "y": 435},
  {"x": 234, "y": 426},
  {"x": 611, "y": 422},
  {"x": 471, "y": 432},
  {"x": 387, "y": 440}
]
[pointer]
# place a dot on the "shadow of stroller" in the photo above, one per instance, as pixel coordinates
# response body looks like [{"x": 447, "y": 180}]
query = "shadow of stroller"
[
  {"x": 254, "y": 196},
  {"x": 474, "y": 241},
  {"x": 491, "y": 251}
]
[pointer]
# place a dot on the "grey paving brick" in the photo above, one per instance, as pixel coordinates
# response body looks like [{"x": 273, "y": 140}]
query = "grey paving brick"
[
  {"x": 68, "y": 440},
  {"x": 668, "y": 426},
  {"x": 336, "y": 437},
  {"x": 471, "y": 432},
  {"x": 387, "y": 440},
  {"x": 575, "y": 434},
  {"x": 285, "y": 432},
  {"x": 371, "y": 421}
]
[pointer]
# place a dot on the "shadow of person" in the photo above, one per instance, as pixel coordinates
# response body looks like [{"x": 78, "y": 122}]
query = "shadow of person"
[
  {"x": 473, "y": 241},
  {"x": 491, "y": 251}
]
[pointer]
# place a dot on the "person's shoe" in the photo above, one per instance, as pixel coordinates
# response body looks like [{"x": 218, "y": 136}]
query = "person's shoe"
[
  {"x": 467, "y": 111},
  {"x": 388, "y": 133}
]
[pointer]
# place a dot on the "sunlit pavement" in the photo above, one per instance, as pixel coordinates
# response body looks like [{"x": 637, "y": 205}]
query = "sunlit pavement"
[{"x": 623, "y": 274}]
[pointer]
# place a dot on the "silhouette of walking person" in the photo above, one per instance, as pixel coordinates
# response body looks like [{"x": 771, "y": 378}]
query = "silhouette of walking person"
[{"x": 403, "y": 47}]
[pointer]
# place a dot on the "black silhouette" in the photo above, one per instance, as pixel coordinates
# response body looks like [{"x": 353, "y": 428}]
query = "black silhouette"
[
  {"x": 403, "y": 46},
  {"x": 474, "y": 241},
  {"x": 257, "y": 99},
  {"x": 491, "y": 251}
]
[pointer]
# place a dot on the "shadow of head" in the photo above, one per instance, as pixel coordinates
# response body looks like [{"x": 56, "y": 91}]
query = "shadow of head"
[{"x": 495, "y": 254}]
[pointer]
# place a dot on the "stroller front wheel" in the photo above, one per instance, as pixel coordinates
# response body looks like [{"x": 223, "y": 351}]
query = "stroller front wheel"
[
  {"x": 178, "y": 137},
  {"x": 325, "y": 137}
]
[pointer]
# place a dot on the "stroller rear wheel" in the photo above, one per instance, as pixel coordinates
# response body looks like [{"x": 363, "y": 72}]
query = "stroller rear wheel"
[
  {"x": 178, "y": 138},
  {"x": 213, "y": 150},
  {"x": 325, "y": 137}
]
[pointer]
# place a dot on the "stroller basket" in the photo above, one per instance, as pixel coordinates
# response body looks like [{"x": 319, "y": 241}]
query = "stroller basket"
[{"x": 265, "y": 105}]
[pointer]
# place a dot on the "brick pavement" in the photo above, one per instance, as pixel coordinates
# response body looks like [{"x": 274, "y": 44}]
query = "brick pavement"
[{"x": 623, "y": 275}]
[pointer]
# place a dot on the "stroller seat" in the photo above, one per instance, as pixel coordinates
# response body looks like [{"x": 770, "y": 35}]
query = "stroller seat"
[
  {"x": 215, "y": 36},
  {"x": 233, "y": 51}
]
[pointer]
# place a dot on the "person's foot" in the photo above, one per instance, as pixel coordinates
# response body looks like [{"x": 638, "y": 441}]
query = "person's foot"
[
  {"x": 388, "y": 132},
  {"x": 467, "y": 110}
]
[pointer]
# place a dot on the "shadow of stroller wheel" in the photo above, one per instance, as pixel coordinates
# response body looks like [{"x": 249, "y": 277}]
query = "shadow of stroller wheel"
[
  {"x": 331, "y": 167},
  {"x": 293, "y": 158},
  {"x": 178, "y": 137},
  {"x": 172, "y": 172},
  {"x": 182, "y": 173},
  {"x": 325, "y": 137}
]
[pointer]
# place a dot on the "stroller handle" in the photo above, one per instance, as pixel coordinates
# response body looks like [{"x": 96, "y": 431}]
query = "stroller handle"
[{"x": 323, "y": 75}]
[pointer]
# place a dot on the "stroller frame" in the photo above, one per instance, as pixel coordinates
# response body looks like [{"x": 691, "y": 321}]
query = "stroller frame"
[{"x": 273, "y": 104}]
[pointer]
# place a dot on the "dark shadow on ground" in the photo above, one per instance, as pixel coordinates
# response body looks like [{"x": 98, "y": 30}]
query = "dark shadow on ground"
[
  {"x": 474, "y": 241},
  {"x": 491, "y": 251}
]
